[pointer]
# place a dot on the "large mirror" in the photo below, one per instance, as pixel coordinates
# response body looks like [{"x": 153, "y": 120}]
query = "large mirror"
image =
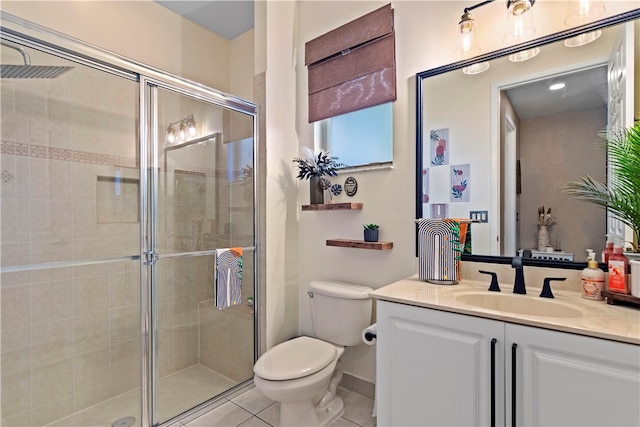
[{"x": 499, "y": 145}]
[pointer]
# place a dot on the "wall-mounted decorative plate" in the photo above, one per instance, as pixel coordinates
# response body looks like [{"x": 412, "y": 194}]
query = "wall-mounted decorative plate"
[{"x": 350, "y": 186}]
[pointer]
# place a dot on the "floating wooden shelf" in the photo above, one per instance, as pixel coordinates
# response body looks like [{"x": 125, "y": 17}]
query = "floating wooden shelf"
[
  {"x": 360, "y": 244},
  {"x": 332, "y": 207},
  {"x": 617, "y": 298}
]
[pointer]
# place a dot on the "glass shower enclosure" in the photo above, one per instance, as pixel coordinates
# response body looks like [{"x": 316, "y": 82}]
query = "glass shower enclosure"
[{"x": 121, "y": 190}]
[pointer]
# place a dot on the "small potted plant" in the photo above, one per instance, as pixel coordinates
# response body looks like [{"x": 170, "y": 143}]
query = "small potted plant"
[
  {"x": 315, "y": 167},
  {"x": 371, "y": 232}
]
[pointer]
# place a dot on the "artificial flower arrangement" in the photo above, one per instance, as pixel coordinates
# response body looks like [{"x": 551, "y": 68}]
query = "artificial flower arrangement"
[
  {"x": 545, "y": 218},
  {"x": 312, "y": 165}
]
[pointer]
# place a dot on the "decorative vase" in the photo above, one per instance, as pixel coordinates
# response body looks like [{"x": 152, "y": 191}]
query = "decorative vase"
[
  {"x": 316, "y": 193},
  {"x": 543, "y": 238},
  {"x": 370, "y": 235}
]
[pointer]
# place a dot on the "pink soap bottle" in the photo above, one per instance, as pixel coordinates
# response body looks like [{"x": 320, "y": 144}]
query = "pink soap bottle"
[
  {"x": 606, "y": 253},
  {"x": 618, "y": 266}
]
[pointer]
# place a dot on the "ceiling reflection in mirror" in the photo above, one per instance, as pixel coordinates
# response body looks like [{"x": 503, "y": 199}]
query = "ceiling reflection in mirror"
[{"x": 518, "y": 142}]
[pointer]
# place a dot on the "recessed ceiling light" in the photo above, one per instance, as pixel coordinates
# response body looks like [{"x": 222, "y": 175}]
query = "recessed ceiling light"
[{"x": 557, "y": 86}]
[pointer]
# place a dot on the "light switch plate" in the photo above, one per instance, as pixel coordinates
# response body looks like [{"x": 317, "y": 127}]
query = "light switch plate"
[{"x": 479, "y": 216}]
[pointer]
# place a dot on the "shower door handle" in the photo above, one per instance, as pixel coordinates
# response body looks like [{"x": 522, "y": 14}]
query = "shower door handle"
[{"x": 151, "y": 257}]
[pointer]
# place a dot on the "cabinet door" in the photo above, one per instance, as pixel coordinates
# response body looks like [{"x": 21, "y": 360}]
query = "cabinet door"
[
  {"x": 570, "y": 380},
  {"x": 434, "y": 368}
]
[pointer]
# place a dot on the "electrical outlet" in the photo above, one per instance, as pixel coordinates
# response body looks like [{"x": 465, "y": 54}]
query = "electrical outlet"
[{"x": 479, "y": 216}]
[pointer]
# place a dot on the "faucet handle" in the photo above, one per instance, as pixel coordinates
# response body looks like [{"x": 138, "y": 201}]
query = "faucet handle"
[
  {"x": 516, "y": 262},
  {"x": 546, "y": 287},
  {"x": 518, "y": 284},
  {"x": 494, "y": 287}
]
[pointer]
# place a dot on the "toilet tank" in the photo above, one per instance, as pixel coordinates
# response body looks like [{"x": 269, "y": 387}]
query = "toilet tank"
[{"x": 340, "y": 311}]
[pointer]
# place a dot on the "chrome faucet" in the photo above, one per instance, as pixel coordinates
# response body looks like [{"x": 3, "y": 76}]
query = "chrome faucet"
[{"x": 518, "y": 285}]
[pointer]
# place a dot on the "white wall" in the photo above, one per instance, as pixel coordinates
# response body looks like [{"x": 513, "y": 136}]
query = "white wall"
[
  {"x": 242, "y": 65},
  {"x": 281, "y": 145}
]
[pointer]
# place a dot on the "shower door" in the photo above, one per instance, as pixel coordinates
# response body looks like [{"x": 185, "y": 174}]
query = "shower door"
[
  {"x": 70, "y": 242},
  {"x": 201, "y": 158},
  {"x": 111, "y": 225}
]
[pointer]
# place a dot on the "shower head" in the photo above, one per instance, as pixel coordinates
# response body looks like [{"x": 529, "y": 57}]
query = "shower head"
[
  {"x": 28, "y": 71},
  {"x": 32, "y": 71}
]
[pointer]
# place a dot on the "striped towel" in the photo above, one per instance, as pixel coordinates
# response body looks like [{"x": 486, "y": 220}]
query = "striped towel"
[{"x": 228, "y": 277}]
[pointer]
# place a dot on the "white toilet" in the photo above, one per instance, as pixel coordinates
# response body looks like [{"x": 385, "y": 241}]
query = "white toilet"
[{"x": 303, "y": 373}]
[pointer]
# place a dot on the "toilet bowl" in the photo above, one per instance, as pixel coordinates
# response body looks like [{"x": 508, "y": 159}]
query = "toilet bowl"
[{"x": 303, "y": 373}]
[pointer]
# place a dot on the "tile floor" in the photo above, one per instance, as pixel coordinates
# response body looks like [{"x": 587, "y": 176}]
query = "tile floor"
[
  {"x": 189, "y": 387},
  {"x": 176, "y": 393},
  {"x": 253, "y": 409}
]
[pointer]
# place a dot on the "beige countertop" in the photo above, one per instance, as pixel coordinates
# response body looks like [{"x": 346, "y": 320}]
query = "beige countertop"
[{"x": 590, "y": 318}]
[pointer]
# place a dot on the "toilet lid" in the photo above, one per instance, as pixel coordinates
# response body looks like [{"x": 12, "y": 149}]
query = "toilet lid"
[{"x": 295, "y": 358}]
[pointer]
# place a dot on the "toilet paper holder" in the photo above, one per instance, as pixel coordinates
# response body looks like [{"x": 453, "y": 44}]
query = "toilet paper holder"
[{"x": 370, "y": 334}]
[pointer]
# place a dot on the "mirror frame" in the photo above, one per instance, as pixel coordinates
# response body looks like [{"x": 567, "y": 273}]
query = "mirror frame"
[{"x": 420, "y": 76}]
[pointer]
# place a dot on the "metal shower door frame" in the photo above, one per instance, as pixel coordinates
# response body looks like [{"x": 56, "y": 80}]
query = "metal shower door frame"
[
  {"x": 150, "y": 147},
  {"x": 33, "y": 35}
]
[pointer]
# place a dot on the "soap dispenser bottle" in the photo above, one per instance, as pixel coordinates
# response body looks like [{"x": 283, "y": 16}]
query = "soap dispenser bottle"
[
  {"x": 607, "y": 252},
  {"x": 593, "y": 279},
  {"x": 618, "y": 266}
]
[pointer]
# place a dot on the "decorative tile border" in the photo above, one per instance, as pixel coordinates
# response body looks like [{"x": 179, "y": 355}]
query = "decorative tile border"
[
  {"x": 42, "y": 152},
  {"x": 189, "y": 172},
  {"x": 7, "y": 177},
  {"x": 75, "y": 156}
]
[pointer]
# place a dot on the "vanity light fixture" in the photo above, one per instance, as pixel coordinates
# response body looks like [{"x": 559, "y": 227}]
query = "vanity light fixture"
[
  {"x": 469, "y": 41},
  {"x": 580, "y": 12},
  {"x": 520, "y": 28},
  {"x": 186, "y": 128}
]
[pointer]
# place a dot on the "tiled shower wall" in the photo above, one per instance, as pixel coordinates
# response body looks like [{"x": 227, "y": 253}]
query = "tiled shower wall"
[
  {"x": 70, "y": 335},
  {"x": 69, "y": 192}
]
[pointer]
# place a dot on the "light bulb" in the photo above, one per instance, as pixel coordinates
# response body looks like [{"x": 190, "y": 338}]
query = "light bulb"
[
  {"x": 520, "y": 26},
  {"x": 171, "y": 134},
  {"x": 467, "y": 35},
  {"x": 191, "y": 127},
  {"x": 183, "y": 132},
  {"x": 580, "y": 12}
]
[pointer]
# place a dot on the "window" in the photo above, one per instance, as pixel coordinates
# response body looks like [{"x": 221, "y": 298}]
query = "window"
[{"x": 359, "y": 138}]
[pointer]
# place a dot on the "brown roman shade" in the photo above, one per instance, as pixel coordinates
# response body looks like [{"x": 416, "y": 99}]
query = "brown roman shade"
[{"x": 352, "y": 67}]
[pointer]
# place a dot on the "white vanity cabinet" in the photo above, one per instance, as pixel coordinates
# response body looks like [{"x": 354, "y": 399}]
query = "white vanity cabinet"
[
  {"x": 571, "y": 380},
  {"x": 436, "y": 368}
]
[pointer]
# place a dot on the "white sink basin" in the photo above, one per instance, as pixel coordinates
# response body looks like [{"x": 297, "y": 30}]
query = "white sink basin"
[{"x": 518, "y": 304}]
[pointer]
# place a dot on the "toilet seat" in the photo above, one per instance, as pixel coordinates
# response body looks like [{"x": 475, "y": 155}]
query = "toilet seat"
[{"x": 295, "y": 358}]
